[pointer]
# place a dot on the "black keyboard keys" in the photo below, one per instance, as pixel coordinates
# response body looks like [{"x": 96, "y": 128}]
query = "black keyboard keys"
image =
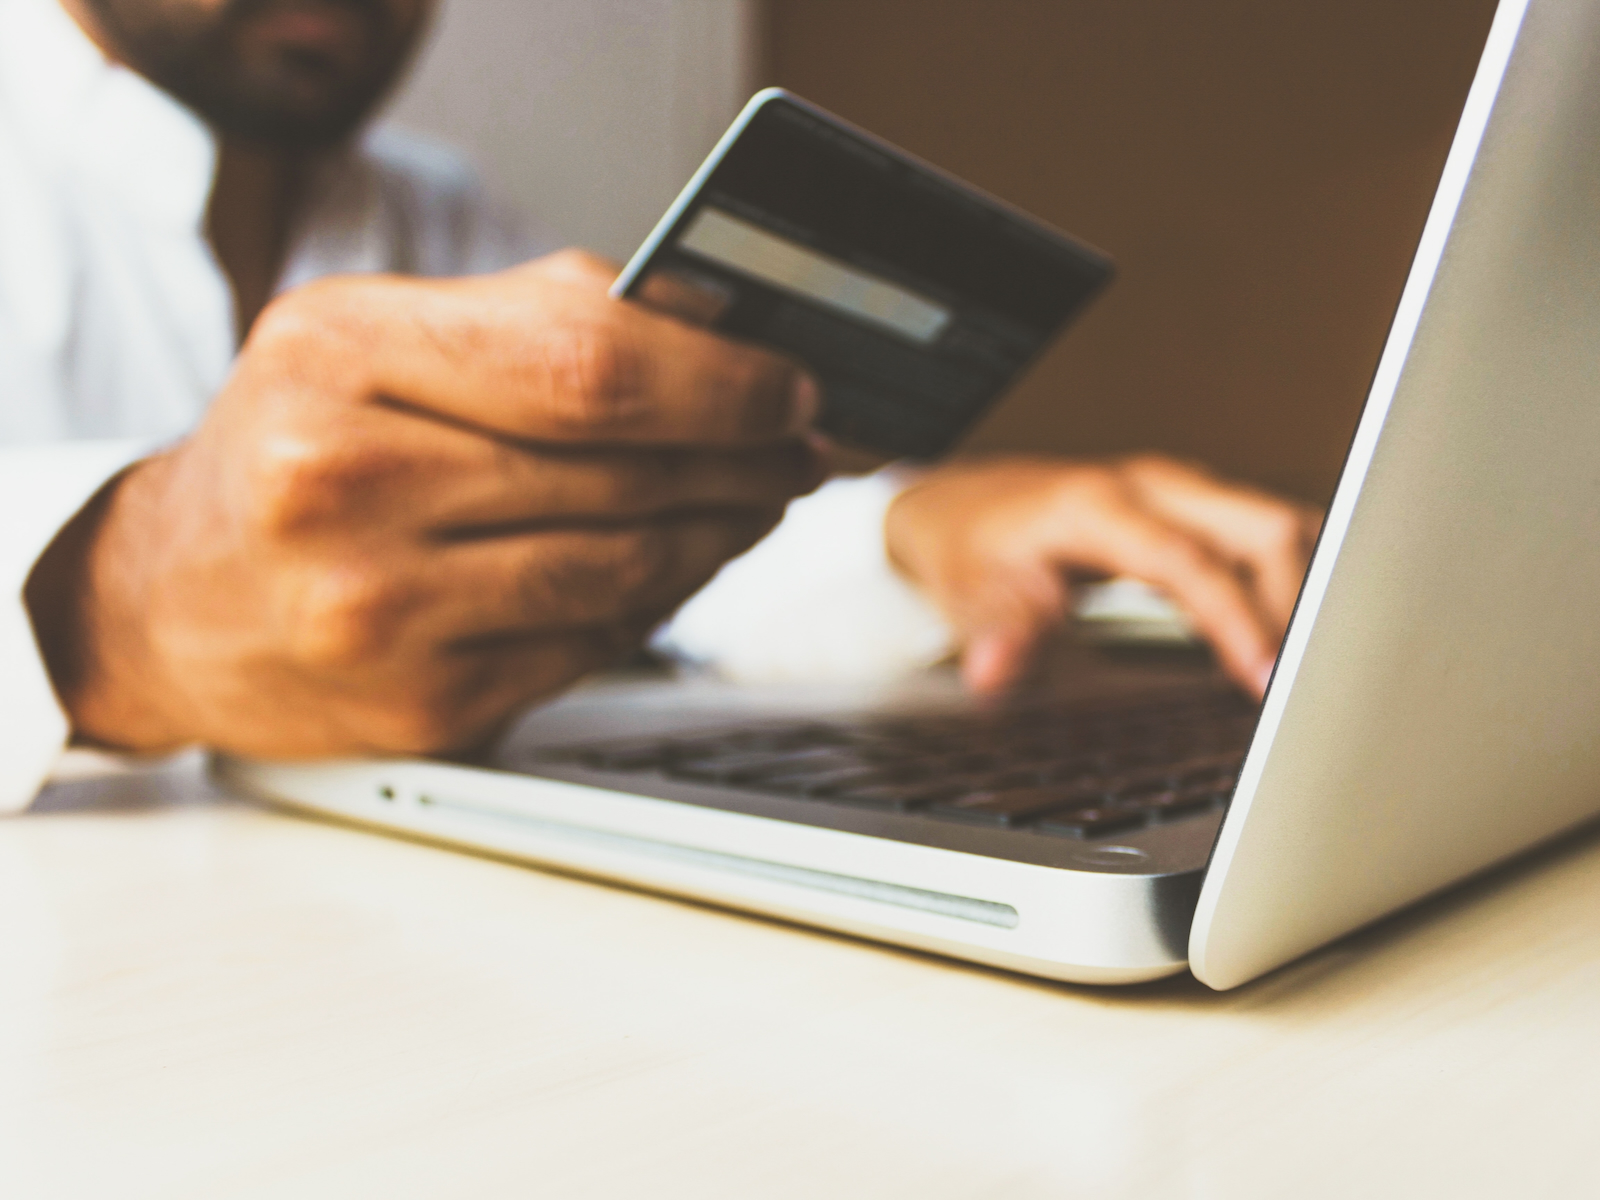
[
  {"x": 742, "y": 766},
  {"x": 1007, "y": 807},
  {"x": 890, "y": 796},
  {"x": 1090, "y": 822},
  {"x": 1066, "y": 771}
]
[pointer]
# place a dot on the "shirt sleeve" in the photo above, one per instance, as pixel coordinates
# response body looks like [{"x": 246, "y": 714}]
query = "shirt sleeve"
[
  {"x": 817, "y": 600},
  {"x": 41, "y": 489}
]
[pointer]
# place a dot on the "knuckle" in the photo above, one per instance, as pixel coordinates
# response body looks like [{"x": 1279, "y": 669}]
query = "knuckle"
[
  {"x": 289, "y": 493},
  {"x": 579, "y": 262},
  {"x": 595, "y": 377},
  {"x": 288, "y": 321},
  {"x": 1283, "y": 529},
  {"x": 1092, "y": 484},
  {"x": 1152, "y": 470},
  {"x": 346, "y": 619},
  {"x": 1182, "y": 559},
  {"x": 310, "y": 316},
  {"x": 300, "y": 482}
]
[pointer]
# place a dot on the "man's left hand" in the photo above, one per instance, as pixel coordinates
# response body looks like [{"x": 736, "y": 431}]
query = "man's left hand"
[{"x": 994, "y": 542}]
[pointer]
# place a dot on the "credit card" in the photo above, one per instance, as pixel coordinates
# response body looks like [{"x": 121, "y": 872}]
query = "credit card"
[{"x": 914, "y": 298}]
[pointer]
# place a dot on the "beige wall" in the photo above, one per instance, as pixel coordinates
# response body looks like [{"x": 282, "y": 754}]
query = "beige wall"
[
  {"x": 1259, "y": 170},
  {"x": 590, "y": 114}
]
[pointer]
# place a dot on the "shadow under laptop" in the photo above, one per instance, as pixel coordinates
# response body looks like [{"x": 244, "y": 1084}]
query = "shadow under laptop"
[
  {"x": 1470, "y": 926},
  {"x": 1359, "y": 968},
  {"x": 1464, "y": 928},
  {"x": 87, "y": 782}
]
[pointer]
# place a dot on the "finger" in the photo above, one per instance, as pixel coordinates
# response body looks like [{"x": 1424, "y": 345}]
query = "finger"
[
  {"x": 1017, "y": 599},
  {"x": 994, "y": 661},
  {"x": 537, "y": 357},
  {"x": 1215, "y": 599},
  {"x": 577, "y": 266},
  {"x": 456, "y": 483},
  {"x": 569, "y": 365},
  {"x": 1120, "y": 538},
  {"x": 461, "y": 701},
  {"x": 567, "y": 579},
  {"x": 1266, "y": 536},
  {"x": 514, "y": 673},
  {"x": 1002, "y": 611},
  {"x": 1269, "y": 537},
  {"x": 690, "y": 298}
]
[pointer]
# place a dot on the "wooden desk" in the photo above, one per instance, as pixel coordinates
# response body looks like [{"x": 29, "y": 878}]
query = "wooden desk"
[{"x": 203, "y": 998}]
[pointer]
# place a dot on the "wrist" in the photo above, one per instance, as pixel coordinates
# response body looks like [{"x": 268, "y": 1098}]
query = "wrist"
[
  {"x": 902, "y": 536},
  {"x": 88, "y": 605}
]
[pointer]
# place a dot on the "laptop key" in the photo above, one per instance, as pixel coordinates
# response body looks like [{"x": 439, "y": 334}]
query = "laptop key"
[
  {"x": 1089, "y": 822},
  {"x": 1169, "y": 802},
  {"x": 1137, "y": 782},
  {"x": 826, "y": 783},
  {"x": 811, "y": 761},
  {"x": 896, "y": 797},
  {"x": 1014, "y": 806},
  {"x": 633, "y": 756},
  {"x": 1072, "y": 771},
  {"x": 1205, "y": 765},
  {"x": 1187, "y": 800},
  {"x": 730, "y": 768}
]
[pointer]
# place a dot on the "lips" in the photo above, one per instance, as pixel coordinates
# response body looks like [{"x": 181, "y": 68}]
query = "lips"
[{"x": 336, "y": 30}]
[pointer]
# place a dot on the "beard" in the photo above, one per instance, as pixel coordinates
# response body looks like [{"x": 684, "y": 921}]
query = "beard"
[{"x": 286, "y": 74}]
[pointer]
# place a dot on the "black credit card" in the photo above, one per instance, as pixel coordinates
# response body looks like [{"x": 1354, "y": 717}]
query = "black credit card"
[{"x": 914, "y": 298}]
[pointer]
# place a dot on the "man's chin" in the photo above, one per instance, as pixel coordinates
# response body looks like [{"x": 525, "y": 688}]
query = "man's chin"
[
  {"x": 289, "y": 119},
  {"x": 296, "y": 75}
]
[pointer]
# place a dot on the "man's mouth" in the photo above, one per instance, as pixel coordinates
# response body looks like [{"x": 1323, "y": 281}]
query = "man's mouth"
[{"x": 336, "y": 31}]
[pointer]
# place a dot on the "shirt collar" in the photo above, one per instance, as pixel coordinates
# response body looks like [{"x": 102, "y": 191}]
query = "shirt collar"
[{"x": 84, "y": 116}]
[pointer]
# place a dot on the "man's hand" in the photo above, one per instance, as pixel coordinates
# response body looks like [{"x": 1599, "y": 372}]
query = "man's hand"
[
  {"x": 415, "y": 508},
  {"x": 993, "y": 542}
]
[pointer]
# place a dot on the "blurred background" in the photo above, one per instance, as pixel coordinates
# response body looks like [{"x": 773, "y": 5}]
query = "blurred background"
[{"x": 1260, "y": 171}]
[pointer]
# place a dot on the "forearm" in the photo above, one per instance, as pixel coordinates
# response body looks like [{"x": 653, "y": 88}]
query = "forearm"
[{"x": 42, "y": 488}]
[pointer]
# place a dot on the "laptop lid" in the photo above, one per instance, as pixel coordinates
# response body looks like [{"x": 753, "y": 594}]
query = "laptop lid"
[{"x": 1436, "y": 706}]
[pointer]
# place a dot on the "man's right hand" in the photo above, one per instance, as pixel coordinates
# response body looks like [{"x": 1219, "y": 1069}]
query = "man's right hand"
[{"x": 415, "y": 508}]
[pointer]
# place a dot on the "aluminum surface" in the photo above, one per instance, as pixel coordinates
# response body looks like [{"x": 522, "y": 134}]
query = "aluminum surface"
[
  {"x": 1103, "y": 911},
  {"x": 1434, "y": 709}
]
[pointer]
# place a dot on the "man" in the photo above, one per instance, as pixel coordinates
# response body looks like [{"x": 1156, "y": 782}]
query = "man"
[{"x": 411, "y": 506}]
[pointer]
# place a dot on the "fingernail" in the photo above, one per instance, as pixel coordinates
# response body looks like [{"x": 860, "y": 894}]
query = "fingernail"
[
  {"x": 986, "y": 664},
  {"x": 805, "y": 401},
  {"x": 1263, "y": 677}
]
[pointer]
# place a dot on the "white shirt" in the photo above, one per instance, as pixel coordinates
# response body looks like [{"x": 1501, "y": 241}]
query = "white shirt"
[{"x": 116, "y": 329}]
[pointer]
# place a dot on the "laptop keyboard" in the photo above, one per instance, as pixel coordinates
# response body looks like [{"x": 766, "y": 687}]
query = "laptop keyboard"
[{"x": 1076, "y": 771}]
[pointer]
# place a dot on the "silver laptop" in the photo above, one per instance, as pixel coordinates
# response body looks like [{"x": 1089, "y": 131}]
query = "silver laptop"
[{"x": 1435, "y": 709}]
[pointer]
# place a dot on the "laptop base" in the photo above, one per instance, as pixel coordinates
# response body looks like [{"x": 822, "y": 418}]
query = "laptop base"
[{"x": 1100, "y": 910}]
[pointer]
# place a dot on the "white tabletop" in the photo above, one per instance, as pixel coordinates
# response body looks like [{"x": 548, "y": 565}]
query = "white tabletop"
[{"x": 200, "y": 997}]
